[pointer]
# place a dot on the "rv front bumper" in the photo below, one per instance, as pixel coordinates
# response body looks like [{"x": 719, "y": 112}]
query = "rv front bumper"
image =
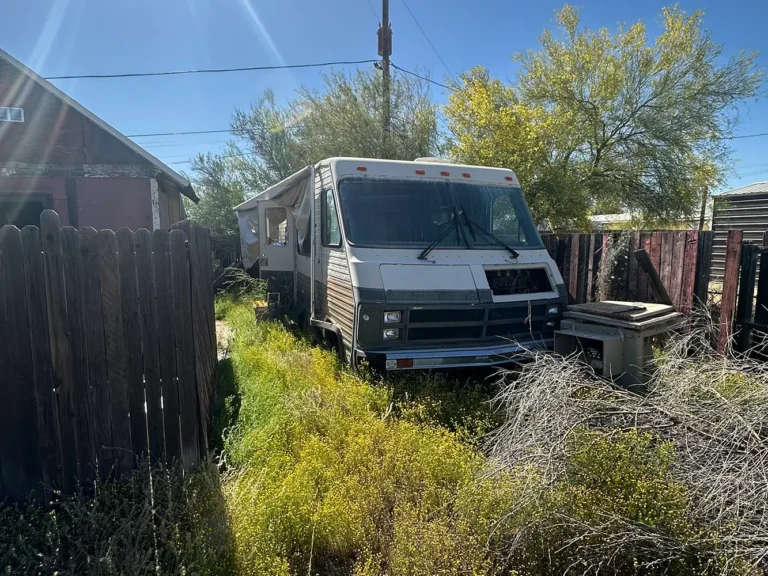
[{"x": 442, "y": 358}]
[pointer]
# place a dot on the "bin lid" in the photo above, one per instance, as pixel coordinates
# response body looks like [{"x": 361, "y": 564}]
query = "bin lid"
[{"x": 630, "y": 311}]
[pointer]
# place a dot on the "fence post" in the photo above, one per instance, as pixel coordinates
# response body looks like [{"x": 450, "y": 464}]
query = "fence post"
[{"x": 730, "y": 288}]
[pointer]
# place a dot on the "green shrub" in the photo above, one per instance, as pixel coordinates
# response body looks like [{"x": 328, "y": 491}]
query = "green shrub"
[
  {"x": 462, "y": 405},
  {"x": 178, "y": 526},
  {"x": 617, "y": 507}
]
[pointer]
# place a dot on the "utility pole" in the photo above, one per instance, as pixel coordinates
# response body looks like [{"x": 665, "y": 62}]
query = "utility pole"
[
  {"x": 703, "y": 214},
  {"x": 385, "y": 51}
]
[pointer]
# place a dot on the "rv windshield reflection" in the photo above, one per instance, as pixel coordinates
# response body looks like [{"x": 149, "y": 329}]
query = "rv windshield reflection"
[{"x": 409, "y": 213}]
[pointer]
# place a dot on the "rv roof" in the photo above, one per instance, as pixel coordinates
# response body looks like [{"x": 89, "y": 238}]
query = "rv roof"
[
  {"x": 426, "y": 169},
  {"x": 400, "y": 169}
]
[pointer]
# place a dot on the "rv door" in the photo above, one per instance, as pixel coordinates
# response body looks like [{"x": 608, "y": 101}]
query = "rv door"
[{"x": 277, "y": 238}]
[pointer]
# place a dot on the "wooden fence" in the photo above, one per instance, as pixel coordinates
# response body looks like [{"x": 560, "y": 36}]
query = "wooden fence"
[
  {"x": 107, "y": 352},
  {"x": 602, "y": 266}
]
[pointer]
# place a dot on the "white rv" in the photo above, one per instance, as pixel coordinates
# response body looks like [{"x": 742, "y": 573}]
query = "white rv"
[{"x": 406, "y": 265}]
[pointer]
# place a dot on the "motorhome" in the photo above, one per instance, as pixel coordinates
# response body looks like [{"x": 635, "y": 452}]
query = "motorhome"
[{"x": 406, "y": 265}]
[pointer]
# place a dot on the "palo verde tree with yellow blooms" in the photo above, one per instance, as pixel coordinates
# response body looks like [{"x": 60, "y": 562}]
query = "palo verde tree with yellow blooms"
[{"x": 606, "y": 122}]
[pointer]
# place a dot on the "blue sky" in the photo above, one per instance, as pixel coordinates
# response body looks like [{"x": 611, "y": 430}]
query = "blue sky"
[{"x": 61, "y": 37}]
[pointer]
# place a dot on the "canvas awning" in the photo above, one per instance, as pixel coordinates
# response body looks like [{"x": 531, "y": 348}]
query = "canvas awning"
[{"x": 295, "y": 193}]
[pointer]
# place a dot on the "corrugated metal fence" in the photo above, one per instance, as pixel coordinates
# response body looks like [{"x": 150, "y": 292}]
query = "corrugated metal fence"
[
  {"x": 748, "y": 213},
  {"x": 107, "y": 352}
]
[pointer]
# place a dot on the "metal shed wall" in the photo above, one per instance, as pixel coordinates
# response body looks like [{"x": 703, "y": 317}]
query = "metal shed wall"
[{"x": 747, "y": 212}]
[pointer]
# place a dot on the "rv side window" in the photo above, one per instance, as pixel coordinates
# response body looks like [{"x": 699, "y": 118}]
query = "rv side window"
[
  {"x": 331, "y": 230},
  {"x": 277, "y": 226}
]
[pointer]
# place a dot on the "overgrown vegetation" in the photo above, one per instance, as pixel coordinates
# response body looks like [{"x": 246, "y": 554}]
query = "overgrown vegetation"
[
  {"x": 669, "y": 482},
  {"x": 163, "y": 522},
  {"x": 333, "y": 472}
]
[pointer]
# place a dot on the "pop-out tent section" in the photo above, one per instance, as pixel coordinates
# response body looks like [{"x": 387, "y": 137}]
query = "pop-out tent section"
[{"x": 294, "y": 193}]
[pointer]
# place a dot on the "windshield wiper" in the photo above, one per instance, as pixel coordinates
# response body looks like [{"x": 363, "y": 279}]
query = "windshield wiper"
[
  {"x": 454, "y": 226},
  {"x": 472, "y": 225}
]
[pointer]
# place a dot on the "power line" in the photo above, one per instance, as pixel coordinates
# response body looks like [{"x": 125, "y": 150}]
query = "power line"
[
  {"x": 428, "y": 40},
  {"x": 212, "y": 70},
  {"x": 435, "y": 82},
  {"x": 747, "y": 136},
  {"x": 177, "y": 144},
  {"x": 376, "y": 16},
  {"x": 240, "y": 155},
  {"x": 187, "y": 133}
]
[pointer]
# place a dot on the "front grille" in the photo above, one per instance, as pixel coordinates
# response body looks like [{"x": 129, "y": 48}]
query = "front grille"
[
  {"x": 467, "y": 315},
  {"x": 515, "y": 330},
  {"x": 511, "y": 281},
  {"x": 446, "y": 333},
  {"x": 516, "y": 312},
  {"x": 518, "y": 321}
]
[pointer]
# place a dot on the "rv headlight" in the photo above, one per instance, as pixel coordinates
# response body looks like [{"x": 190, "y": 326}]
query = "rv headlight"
[
  {"x": 392, "y": 317},
  {"x": 553, "y": 310},
  {"x": 391, "y": 333}
]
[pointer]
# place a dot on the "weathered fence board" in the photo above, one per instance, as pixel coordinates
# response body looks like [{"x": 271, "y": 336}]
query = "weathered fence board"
[
  {"x": 41, "y": 356},
  {"x": 166, "y": 338},
  {"x": 185, "y": 354},
  {"x": 703, "y": 268},
  {"x": 131, "y": 336},
  {"x": 149, "y": 343},
  {"x": 631, "y": 277},
  {"x": 730, "y": 288},
  {"x": 666, "y": 248},
  {"x": 82, "y": 404},
  {"x": 93, "y": 315},
  {"x": 688, "y": 276},
  {"x": 108, "y": 352},
  {"x": 60, "y": 350},
  {"x": 116, "y": 350},
  {"x": 749, "y": 255},
  {"x": 21, "y": 472},
  {"x": 573, "y": 261}
]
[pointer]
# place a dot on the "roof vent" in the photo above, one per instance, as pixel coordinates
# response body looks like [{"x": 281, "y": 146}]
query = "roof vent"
[{"x": 434, "y": 160}]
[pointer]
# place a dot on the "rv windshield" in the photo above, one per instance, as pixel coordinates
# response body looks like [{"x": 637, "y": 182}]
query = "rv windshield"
[{"x": 410, "y": 213}]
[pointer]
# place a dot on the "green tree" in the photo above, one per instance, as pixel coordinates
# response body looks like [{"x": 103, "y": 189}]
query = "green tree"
[
  {"x": 343, "y": 119},
  {"x": 601, "y": 121},
  {"x": 220, "y": 189}
]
